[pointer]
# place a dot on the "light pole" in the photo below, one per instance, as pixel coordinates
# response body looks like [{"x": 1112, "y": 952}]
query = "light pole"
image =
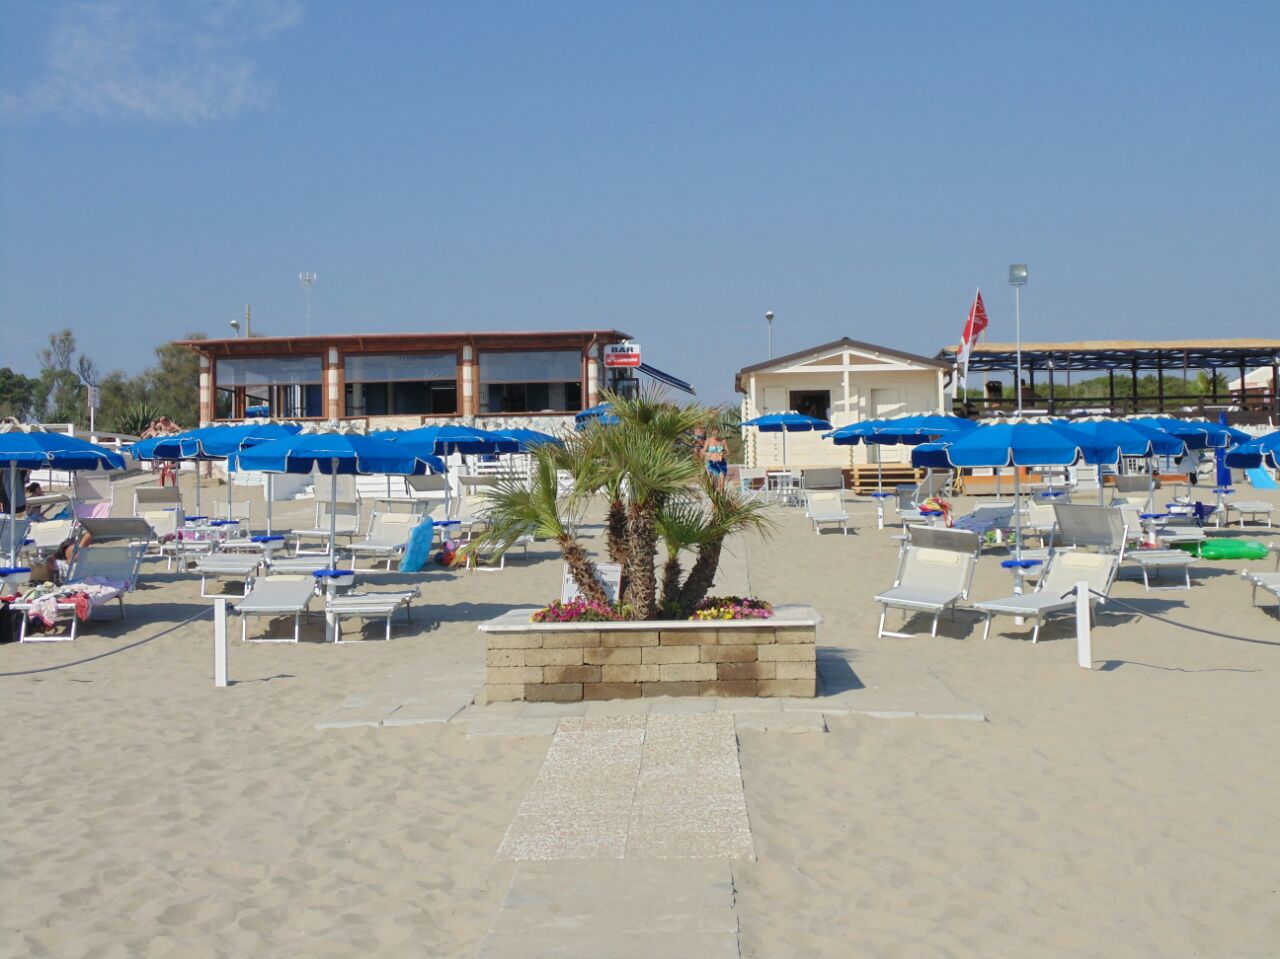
[
  {"x": 1017, "y": 280},
  {"x": 769, "y": 319},
  {"x": 308, "y": 280},
  {"x": 235, "y": 325}
]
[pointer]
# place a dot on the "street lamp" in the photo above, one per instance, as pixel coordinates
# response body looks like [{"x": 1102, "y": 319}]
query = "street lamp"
[
  {"x": 1017, "y": 280},
  {"x": 769, "y": 319},
  {"x": 235, "y": 325},
  {"x": 308, "y": 280}
]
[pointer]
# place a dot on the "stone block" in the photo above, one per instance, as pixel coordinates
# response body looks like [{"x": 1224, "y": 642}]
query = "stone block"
[
  {"x": 787, "y": 653},
  {"x": 611, "y": 691},
  {"x": 575, "y": 639},
  {"x": 728, "y": 654},
  {"x": 504, "y": 657},
  {"x": 503, "y": 693},
  {"x": 689, "y": 637},
  {"x": 612, "y": 656},
  {"x": 786, "y": 687},
  {"x": 670, "y": 654},
  {"x": 629, "y": 674},
  {"x": 745, "y": 636},
  {"x": 744, "y": 687},
  {"x": 792, "y": 670},
  {"x": 571, "y": 674},
  {"x": 513, "y": 640},
  {"x": 502, "y": 675},
  {"x": 732, "y": 672},
  {"x": 670, "y": 689},
  {"x": 553, "y": 657},
  {"x": 687, "y": 672},
  {"x": 801, "y": 635},
  {"x": 553, "y": 692},
  {"x": 629, "y": 637}
]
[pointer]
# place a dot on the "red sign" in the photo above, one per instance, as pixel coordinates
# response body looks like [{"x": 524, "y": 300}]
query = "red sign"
[{"x": 622, "y": 354}]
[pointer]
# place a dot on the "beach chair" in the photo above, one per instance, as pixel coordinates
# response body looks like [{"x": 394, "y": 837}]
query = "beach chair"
[
  {"x": 234, "y": 566},
  {"x": 93, "y": 494},
  {"x": 346, "y": 523},
  {"x": 14, "y": 531},
  {"x": 164, "y": 534},
  {"x": 935, "y": 572},
  {"x": 753, "y": 482},
  {"x": 1258, "y": 512},
  {"x": 1055, "y": 593},
  {"x": 905, "y": 494},
  {"x": 95, "y": 564},
  {"x": 387, "y": 537},
  {"x": 369, "y": 606},
  {"x": 44, "y": 538},
  {"x": 277, "y": 595},
  {"x": 988, "y": 520},
  {"x": 826, "y": 507},
  {"x": 153, "y": 499},
  {"x": 1267, "y": 582},
  {"x": 824, "y": 478}
]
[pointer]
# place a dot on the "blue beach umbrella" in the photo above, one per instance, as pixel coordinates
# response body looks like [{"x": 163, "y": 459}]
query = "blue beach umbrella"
[
  {"x": 29, "y": 448},
  {"x": 899, "y": 430},
  {"x": 333, "y": 454},
  {"x": 601, "y": 412},
  {"x": 443, "y": 440},
  {"x": 1263, "y": 451},
  {"x": 528, "y": 439},
  {"x": 1134, "y": 439},
  {"x": 1017, "y": 444},
  {"x": 785, "y": 423},
  {"x": 1197, "y": 434}
]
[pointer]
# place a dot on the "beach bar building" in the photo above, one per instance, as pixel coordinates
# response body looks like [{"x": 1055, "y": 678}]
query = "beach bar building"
[
  {"x": 846, "y": 381},
  {"x": 390, "y": 380}
]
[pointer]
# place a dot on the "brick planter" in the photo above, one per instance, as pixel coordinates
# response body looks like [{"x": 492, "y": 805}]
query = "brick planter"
[{"x": 567, "y": 662}]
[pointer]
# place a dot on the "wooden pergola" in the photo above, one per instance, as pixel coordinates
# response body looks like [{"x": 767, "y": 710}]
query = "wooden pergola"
[{"x": 1172, "y": 362}]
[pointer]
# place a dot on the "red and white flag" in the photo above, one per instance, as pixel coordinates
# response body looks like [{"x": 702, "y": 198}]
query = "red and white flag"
[{"x": 973, "y": 327}]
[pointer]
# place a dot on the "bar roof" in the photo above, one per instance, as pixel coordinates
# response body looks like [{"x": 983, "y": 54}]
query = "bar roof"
[
  {"x": 398, "y": 342},
  {"x": 1122, "y": 354}
]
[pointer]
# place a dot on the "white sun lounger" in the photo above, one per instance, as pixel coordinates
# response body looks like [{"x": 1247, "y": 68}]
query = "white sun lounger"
[
  {"x": 228, "y": 566},
  {"x": 369, "y": 606},
  {"x": 1267, "y": 582},
  {"x": 1055, "y": 593},
  {"x": 935, "y": 572},
  {"x": 826, "y": 507},
  {"x": 276, "y": 595},
  {"x": 105, "y": 562},
  {"x": 1251, "y": 512},
  {"x": 388, "y": 535}
]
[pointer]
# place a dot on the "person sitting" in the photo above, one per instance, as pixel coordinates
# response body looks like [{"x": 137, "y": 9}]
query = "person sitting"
[
  {"x": 59, "y": 562},
  {"x": 35, "y": 513}
]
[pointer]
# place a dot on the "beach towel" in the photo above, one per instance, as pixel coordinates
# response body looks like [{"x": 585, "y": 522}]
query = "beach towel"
[
  {"x": 82, "y": 597},
  {"x": 1260, "y": 478},
  {"x": 417, "y": 553}
]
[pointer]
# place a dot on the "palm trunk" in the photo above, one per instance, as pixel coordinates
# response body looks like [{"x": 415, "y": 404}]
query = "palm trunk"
[
  {"x": 642, "y": 545},
  {"x": 702, "y": 577},
  {"x": 616, "y": 531},
  {"x": 671, "y": 581},
  {"x": 582, "y": 570}
]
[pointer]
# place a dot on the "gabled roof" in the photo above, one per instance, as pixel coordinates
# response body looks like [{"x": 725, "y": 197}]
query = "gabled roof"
[{"x": 844, "y": 343}]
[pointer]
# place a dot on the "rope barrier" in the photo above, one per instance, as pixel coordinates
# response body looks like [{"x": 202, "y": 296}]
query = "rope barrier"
[
  {"x": 1173, "y": 622},
  {"x": 110, "y": 652}
]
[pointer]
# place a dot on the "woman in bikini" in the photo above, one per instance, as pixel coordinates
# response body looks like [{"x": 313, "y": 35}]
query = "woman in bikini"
[{"x": 715, "y": 454}]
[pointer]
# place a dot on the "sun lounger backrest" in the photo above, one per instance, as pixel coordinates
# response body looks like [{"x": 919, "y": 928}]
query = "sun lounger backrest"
[
  {"x": 121, "y": 527},
  {"x": 148, "y": 498},
  {"x": 346, "y": 516},
  {"x": 18, "y": 534},
  {"x": 162, "y": 522},
  {"x": 938, "y": 537},
  {"x": 1073, "y": 566},
  {"x": 823, "y": 501},
  {"x": 1101, "y": 527},
  {"x": 391, "y": 529},
  {"x": 50, "y": 533},
  {"x": 906, "y": 494},
  {"x": 825, "y": 478},
  {"x": 92, "y": 487},
  {"x": 941, "y": 569},
  {"x": 934, "y": 484},
  {"x": 114, "y": 562}
]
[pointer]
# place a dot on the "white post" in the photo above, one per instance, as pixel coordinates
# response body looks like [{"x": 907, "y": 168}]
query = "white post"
[
  {"x": 1084, "y": 639},
  {"x": 220, "y": 641}
]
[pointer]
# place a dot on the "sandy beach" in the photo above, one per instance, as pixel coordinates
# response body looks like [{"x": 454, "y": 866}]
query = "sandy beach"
[{"x": 1127, "y": 811}]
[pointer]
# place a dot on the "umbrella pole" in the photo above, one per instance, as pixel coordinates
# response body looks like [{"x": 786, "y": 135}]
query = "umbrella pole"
[
  {"x": 13, "y": 513},
  {"x": 1017, "y": 531},
  {"x": 197, "y": 462},
  {"x": 268, "y": 489},
  {"x": 228, "y": 489},
  {"x": 333, "y": 515}
]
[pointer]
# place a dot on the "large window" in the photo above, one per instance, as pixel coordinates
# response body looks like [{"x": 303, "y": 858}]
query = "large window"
[
  {"x": 536, "y": 381},
  {"x": 384, "y": 383},
  {"x": 282, "y": 386}
]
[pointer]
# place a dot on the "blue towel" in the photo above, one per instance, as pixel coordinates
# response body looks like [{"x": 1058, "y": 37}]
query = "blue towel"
[
  {"x": 1260, "y": 478},
  {"x": 418, "y": 551}
]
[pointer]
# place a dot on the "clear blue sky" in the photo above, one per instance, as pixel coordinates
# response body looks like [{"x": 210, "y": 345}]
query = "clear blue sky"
[{"x": 668, "y": 169}]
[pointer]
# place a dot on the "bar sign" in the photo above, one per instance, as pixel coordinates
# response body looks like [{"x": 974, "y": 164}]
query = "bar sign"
[{"x": 622, "y": 354}]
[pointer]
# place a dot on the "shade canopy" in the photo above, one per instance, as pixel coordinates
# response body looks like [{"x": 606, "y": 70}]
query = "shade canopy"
[
  {"x": 216, "y": 442},
  {"x": 905, "y": 430},
  {"x": 601, "y": 412},
  {"x": 1133, "y": 438},
  {"x": 344, "y": 453},
  {"x": 443, "y": 440},
  {"x": 787, "y": 423},
  {"x": 31, "y": 448},
  {"x": 528, "y": 439},
  {"x": 1263, "y": 451},
  {"x": 1016, "y": 444},
  {"x": 1197, "y": 434}
]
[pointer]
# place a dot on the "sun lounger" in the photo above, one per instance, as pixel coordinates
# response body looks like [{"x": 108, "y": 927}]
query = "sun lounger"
[
  {"x": 346, "y": 521},
  {"x": 1158, "y": 559},
  {"x": 826, "y": 507},
  {"x": 1055, "y": 594},
  {"x": 44, "y": 538},
  {"x": 369, "y": 606},
  {"x": 237, "y": 566},
  {"x": 113, "y": 565},
  {"x": 150, "y": 499},
  {"x": 277, "y": 595},
  {"x": 388, "y": 535},
  {"x": 1267, "y": 582},
  {"x": 988, "y": 521},
  {"x": 1250, "y": 512},
  {"x": 934, "y": 573}
]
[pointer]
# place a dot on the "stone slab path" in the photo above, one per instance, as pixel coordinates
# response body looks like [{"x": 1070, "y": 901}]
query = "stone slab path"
[
  {"x": 616, "y": 910},
  {"x": 636, "y": 787}
]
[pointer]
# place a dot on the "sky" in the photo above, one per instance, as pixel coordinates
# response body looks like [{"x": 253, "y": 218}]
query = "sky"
[{"x": 668, "y": 169}]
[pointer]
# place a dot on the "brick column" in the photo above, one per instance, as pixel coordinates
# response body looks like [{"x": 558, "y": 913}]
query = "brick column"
[{"x": 207, "y": 407}]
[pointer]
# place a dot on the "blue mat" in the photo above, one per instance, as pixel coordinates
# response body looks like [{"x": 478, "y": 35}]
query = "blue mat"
[{"x": 1260, "y": 478}]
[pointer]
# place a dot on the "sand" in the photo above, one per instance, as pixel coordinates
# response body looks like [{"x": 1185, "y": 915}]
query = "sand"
[{"x": 1124, "y": 811}]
